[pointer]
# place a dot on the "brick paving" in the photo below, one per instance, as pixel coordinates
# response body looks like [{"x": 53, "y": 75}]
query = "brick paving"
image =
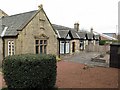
[{"x": 75, "y": 75}]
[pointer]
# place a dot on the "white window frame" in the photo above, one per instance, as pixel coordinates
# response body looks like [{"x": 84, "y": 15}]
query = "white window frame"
[{"x": 11, "y": 48}]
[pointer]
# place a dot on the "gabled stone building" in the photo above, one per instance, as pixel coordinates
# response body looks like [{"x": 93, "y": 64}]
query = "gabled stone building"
[
  {"x": 29, "y": 32},
  {"x": 32, "y": 32},
  {"x": 2, "y": 13}
]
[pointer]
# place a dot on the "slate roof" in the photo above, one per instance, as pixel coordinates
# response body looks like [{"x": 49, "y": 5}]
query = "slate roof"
[
  {"x": 96, "y": 37},
  {"x": 82, "y": 35},
  {"x": 111, "y": 34},
  {"x": 90, "y": 35},
  {"x": 74, "y": 34},
  {"x": 62, "y": 33},
  {"x": 60, "y": 27},
  {"x": 14, "y": 22},
  {"x": 63, "y": 29}
]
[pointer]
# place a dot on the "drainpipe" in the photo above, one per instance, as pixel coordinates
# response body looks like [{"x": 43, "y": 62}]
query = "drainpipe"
[
  {"x": 59, "y": 48},
  {"x": 3, "y": 48}
]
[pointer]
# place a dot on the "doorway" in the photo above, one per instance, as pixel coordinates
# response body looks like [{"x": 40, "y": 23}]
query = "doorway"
[{"x": 73, "y": 46}]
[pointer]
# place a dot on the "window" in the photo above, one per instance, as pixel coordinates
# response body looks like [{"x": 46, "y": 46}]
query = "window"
[
  {"x": 81, "y": 45},
  {"x": 11, "y": 48},
  {"x": 41, "y": 46},
  {"x": 90, "y": 42},
  {"x": 97, "y": 42}
]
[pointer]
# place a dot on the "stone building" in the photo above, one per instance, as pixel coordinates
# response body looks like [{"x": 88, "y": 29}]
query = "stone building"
[
  {"x": 32, "y": 32},
  {"x": 2, "y": 13},
  {"x": 29, "y": 32},
  {"x": 73, "y": 40}
]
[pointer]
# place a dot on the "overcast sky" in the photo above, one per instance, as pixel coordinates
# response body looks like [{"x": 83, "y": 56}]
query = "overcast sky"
[{"x": 102, "y": 15}]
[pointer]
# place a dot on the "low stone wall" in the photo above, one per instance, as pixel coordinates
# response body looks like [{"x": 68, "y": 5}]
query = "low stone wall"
[{"x": 98, "y": 48}]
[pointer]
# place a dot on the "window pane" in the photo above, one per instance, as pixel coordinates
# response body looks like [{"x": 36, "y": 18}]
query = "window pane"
[
  {"x": 41, "y": 41},
  {"x": 37, "y": 41},
  {"x": 9, "y": 48},
  {"x": 45, "y": 41},
  {"x": 37, "y": 48},
  {"x": 41, "y": 47},
  {"x": 12, "y": 43},
  {"x": 12, "y": 46},
  {"x": 45, "y": 49}
]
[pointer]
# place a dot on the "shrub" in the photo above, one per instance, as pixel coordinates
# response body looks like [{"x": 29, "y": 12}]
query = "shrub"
[
  {"x": 102, "y": 42},
  {"x": 30, "y": 71}
]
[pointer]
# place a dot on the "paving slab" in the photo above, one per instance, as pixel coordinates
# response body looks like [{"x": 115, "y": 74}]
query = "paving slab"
[{"x": 85, "y": 58}]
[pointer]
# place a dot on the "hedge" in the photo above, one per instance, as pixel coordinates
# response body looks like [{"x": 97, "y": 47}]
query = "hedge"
[
  {"x": 103, "y": 42},
  {"x": 30, "y": 71}
]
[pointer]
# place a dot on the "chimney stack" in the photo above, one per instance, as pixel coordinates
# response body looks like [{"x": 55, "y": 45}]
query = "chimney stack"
[
  {"x": 76, "y": 26},
  {"x": 91, "y": 30}
]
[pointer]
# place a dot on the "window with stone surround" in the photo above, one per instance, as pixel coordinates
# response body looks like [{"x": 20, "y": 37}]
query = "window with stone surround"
[
  {"x": 41, "y": 46},
  {"x": 11, "y": 48}
]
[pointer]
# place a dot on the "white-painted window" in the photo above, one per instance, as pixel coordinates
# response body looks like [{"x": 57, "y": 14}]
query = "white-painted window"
[{"x": 11, "y": 48}]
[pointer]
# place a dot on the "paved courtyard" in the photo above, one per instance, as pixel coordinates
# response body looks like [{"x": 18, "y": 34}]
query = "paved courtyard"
[
  {"x": 78, "y": 71},
  {"x": 74, "y": 75},
  {"x": 85, "y": 58}
]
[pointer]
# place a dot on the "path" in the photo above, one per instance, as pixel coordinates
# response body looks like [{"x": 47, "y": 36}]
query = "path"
[{"x": 85, "y": 58}]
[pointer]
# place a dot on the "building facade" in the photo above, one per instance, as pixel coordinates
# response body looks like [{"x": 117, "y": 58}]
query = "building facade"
[
  {"x": 32, "y": 32},
  {"x": 29, "y": 32}
]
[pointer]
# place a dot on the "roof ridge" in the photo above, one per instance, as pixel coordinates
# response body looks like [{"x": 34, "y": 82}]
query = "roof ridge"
[
  {"x": 21, "y": 13},
  {"x": 61, "y": 26}
]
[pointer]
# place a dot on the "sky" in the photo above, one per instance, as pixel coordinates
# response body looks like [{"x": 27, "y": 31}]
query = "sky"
[{"x": 101, "y": 15}]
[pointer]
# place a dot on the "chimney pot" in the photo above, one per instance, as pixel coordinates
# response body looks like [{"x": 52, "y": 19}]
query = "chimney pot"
[{"x": 91, "y": 30}]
